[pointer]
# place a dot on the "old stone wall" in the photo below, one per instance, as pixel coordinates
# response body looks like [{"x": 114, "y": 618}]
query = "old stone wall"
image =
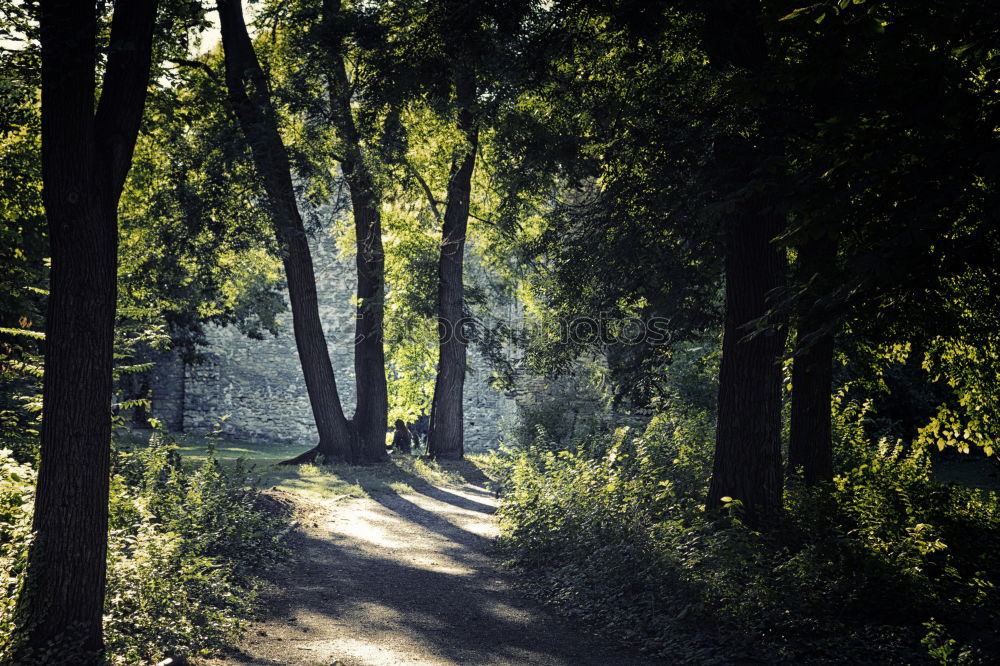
[
  {"x": 167, "y": 390},
  {"x": 253, "y": 389}
]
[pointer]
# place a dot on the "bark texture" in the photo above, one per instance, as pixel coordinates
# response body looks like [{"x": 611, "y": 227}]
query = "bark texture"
[
  {"x": 445, "y": 439},
  {"x": 810, "y": 446},
  {"x": 85, "y": 160},
  {"x": 250, "y": 96},
  {"x": 747, "y": 464},
  {"x": 372, "y": 413}
]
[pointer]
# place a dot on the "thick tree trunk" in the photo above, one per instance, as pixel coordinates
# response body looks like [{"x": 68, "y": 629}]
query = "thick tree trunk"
[
  {"x": 747, "y": 464},
  {"x": 445, "y": 440},
  {"x": 250, "y": 97},
  {"x": 371, "y": 416},
  {"x": 85, "y": 159},
  {"x": 372, "y": 413},
  {"x": 810, "y": 446}
]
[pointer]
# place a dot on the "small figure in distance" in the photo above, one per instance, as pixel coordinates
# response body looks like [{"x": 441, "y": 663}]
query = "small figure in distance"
[
  {"x": 419, "y": 430},
  {"x": 401, "y": 439}
]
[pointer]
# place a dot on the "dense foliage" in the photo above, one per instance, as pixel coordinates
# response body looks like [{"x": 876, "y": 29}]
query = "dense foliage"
[
  {"x": 816, "y": 183},
  {"x": 888, "y": 566},
  {"x": 185, "y": 540}
]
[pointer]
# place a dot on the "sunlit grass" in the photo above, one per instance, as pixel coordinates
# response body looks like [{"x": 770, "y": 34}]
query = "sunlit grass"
[{"x": 401, "y": 474}]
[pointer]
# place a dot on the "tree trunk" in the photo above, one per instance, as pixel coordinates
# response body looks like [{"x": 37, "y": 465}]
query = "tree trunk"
[
  {"x": 445, "y": 439},
  {"x": 810, "y": 445},
  {"x": 747, "y": 464},
  {"x": 251, "y": 100},
  {"x": 85, "y": 159},
  {"x": 371, "y": 416}
]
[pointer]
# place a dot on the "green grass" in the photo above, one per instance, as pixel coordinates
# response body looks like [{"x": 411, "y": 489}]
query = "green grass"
[{"x": 403, "y": 473}]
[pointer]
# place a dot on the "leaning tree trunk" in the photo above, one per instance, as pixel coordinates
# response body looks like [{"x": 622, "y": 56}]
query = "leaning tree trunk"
[
  {"x": 445, "y": 440},
  {"x": 85, "y": 160},
  {"x": 810, "y": 446},
  {"x": 372, "y": 413},
  {"x": 747, "y": 464},
  {"x": 251, "y": 100}
]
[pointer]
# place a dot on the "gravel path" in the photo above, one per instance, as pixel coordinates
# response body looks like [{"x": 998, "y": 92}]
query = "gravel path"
[{"x": 397, "y": 580}]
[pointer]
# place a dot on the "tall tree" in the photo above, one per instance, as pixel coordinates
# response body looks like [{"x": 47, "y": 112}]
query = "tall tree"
[
  {"x": 810, "y": 438},
  {"x": 456, "y": 58},
  {"x": 446, "y": 436},
  {"x": 86, "y": 156},
  {"x": 884, "y": 240},
  {"x": 250, "y": 97},
  {"x": 747, "y": 463},
  {"x": 372, "y": 412}
]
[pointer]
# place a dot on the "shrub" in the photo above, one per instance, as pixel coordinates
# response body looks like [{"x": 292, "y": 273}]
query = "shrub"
[
  {"x": 182, "y": 547},
  {"x": 17, "y": 488},
  {"x": 884, "y": 565}
]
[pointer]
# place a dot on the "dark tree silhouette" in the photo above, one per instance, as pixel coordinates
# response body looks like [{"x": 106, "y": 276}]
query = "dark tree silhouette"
[
  {"x": 85, "y": 159},
  {"x": 747, "y": 464},
  {"x": 810, "y": 442}
]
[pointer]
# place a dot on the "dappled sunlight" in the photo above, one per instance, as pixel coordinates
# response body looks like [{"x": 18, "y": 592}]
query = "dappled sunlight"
[
  {"x": 407, "y": 578},
  {"x": 381, "y": 654},
  {"x": 505, "y": 611},
  {"x": 398, "y": 538},
  {"x": 319, "y": 488},
  {"x": 368, "y": 527}
]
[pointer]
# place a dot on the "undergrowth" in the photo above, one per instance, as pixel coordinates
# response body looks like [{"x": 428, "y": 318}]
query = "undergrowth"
[
  {"x": 184, "y": 542},
  {"x": 883, "y": 566}
]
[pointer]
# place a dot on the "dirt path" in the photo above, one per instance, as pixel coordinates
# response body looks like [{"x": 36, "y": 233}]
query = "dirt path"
[{"x": 408, "y": 579}]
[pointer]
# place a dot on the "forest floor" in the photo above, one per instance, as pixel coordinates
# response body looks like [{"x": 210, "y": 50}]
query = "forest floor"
[{"x": 405, "y": 573}]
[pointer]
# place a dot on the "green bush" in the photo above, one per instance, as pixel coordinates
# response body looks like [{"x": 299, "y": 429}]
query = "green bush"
[
  {"x": 17, "y": 487},
  {"x": 182, "y": 547},
  {"x": 884, "y": 565}
]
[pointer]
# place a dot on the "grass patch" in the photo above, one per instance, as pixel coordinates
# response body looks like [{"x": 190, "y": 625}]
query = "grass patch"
[{"x": 401, "y": 474}]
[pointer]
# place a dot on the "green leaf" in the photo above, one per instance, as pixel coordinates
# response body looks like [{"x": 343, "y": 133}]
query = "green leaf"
[
  {"x": 798, "y": 12},
  {"x": 37, "y": 335}
]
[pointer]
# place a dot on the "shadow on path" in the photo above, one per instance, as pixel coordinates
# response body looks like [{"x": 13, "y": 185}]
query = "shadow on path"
[{"x": 400, "y": 579}]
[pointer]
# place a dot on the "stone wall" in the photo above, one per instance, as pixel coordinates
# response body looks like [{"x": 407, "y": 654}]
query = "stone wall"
[
  {"x": 167, "y": 385},
  {"x": 253, "y": 389}
]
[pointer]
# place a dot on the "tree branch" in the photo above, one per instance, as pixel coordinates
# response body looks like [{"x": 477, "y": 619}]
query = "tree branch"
[
  {"x": 197, "y": 64},
  {"x": 482, "y": 219},
  {"x": 126, "y": 78},
  {"x": 427, "y": 190}
]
